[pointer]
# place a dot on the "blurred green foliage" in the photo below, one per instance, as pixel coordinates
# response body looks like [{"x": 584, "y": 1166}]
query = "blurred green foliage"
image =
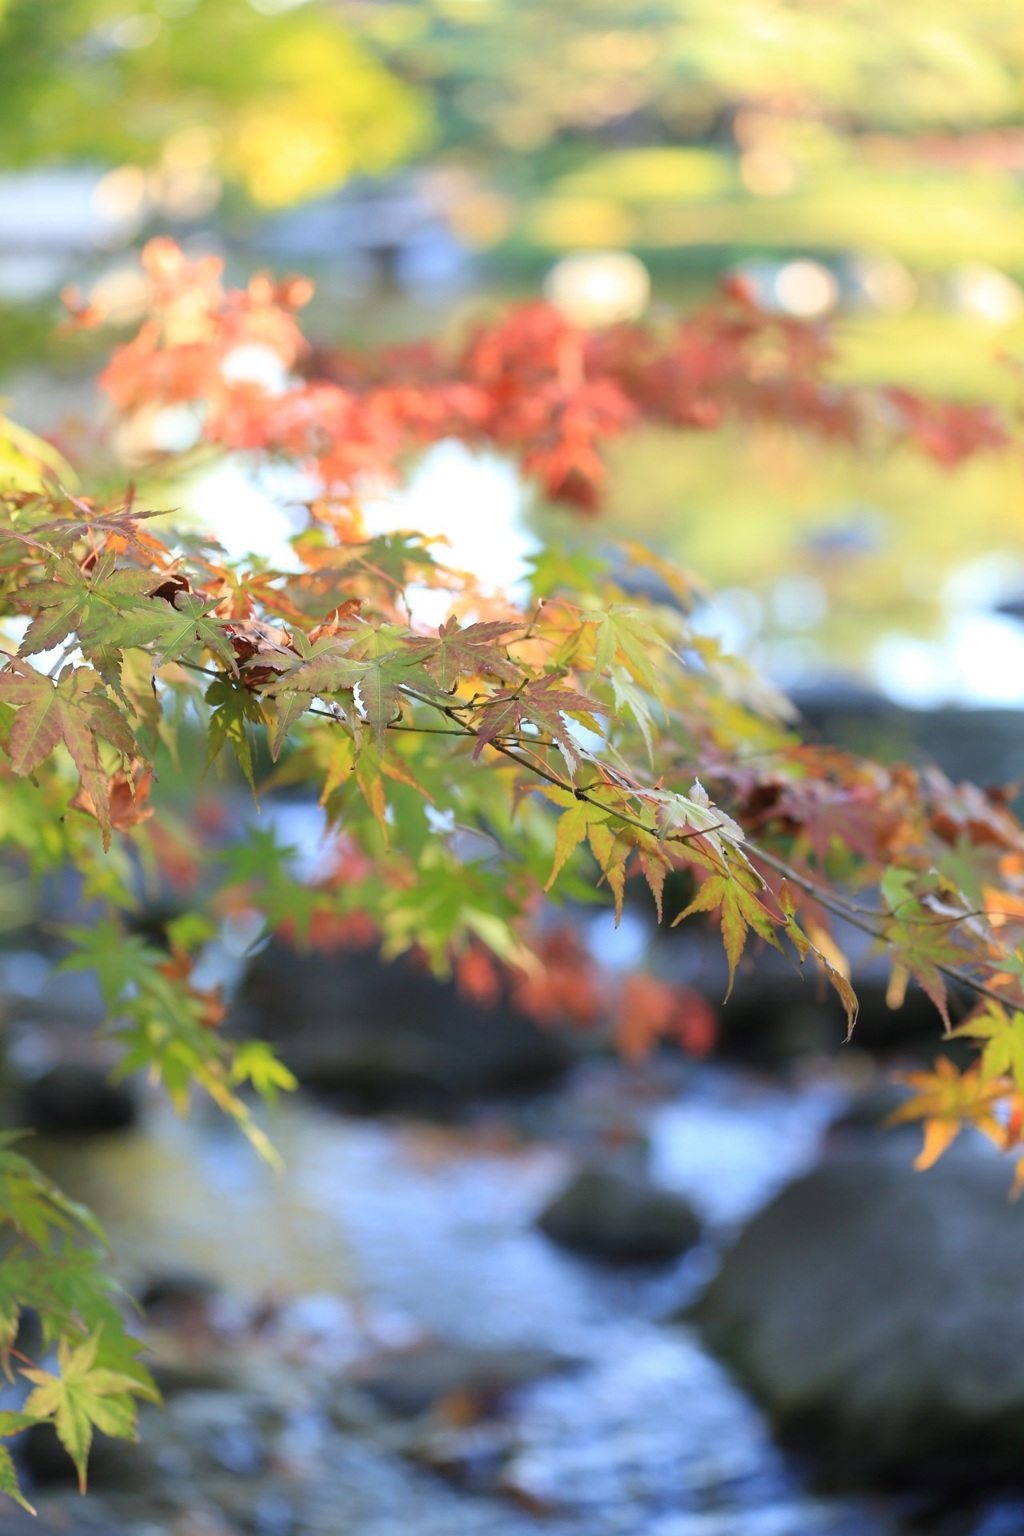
[
  {"x": 523, "y": 71},
  {"x": 285, "y": 103}
]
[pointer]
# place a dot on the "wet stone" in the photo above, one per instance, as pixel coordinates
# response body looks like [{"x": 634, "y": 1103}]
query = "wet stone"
[
  {"x": 875, "y": 1313},
  {"x": 113, "y": 1464},
  {"x": 472, "y": 1381},
  {"x": 178, "y": 1299},
  {"x": 380, "y": 1036},
  {"x": 621, "y": 1218},
  {"x": 78, "y": 1099}
]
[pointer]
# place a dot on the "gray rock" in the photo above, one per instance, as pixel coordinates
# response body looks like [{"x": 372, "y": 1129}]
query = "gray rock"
[
  {"x": 620, "y": 1217},
  {"x": 409, "y": 1382},
  {"x": 391, "y": 1036},
  {"x": 113, "y": 1464},
  {"x": 178, "y": 1299},
  {"x": 878, "y": 1315},
  {"x": 78, "y": 1099}
]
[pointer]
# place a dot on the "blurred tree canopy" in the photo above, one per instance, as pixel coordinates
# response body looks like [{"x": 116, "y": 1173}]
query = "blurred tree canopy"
[
  {"x": 290, "y": 98},
  {"x": 524, "y": 72},
  {"x": 287, "y": 103},
  {"x": 772, "y": 123}
]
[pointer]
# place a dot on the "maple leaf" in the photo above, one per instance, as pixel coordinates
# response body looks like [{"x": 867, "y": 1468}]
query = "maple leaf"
[
  {"x": 8, "y": 1475},
  {"x": 611, "y": 849},
  {"x": 471, "y": 652},
  {"x": 121, "y": 526},
  {"x": 379, "y": 694},
  {"x": 33, "y": 1205},
  {"x": 67, "y": 711},
  {"x": 735, "y": 896},
  {"x": 818, "y": 943},
  {"x": 628, "y": 696},
  {"x": 233, "y": 706},
  {"x": 923, "y": 946},
  {"x": 692, "y": 818},
  {"x": 572, "y": 829},
  {"x": 325, "y": 667},
  {"x": 543, "y": 702},
  {"x": 655, "y": 865},
  {"x": 946, "y": 1100},
  {"x": 388, "y": 670},
  {"x": 1003, "y": 1033},
  {"x": 621, "y": 634},
  {"x": 254, "y": 1062},
  {"x": 288, "y": 710},
  {"x": 84, "y": 1394},
  {"x": 190, "y": 622},
  {"x": 127, "y": 800},
  {"x": 60, "y": 606}
]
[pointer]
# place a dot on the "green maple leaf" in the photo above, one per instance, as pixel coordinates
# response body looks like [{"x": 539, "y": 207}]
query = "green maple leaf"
[
  {"x": 33, "y": 1205},
  {"x": 448, "y": 903},
  {"x": 254, "y": 1062},
  {"x": 234, "y": 706},
  {"x": 121, "y": 614},
  {"x": 186, "y": 623},
  {"x": 395, "y": 555},
  {"x": 9, "y": 1477},
  {"x": 555, "y": 570},
  {"x": 83, "y": 1395},
  {"x": 389, "y": 669},
  {"x": 380, "y": 695},
  {"x": 60, "y": 603},
  {"x": 627, "y": 695},
  {"x": 288, "y": 710},
  {"x": 117, "y": 958},
  {"x": 1003, "y": 1054},
  {"x": 620, "y": 635},
  {"x": 469, "y": 652},
  {"x": 327, "y": 666},
  {"x": 573, "y": 828}
]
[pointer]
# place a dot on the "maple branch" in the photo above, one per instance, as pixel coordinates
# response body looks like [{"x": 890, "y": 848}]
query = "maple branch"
[
  {"x": 849, "y": 913},
  {"x": 464, "y": 733}
]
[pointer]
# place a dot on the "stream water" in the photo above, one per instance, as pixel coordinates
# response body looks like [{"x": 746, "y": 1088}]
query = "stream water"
[{"x": 379, "y": 1233}]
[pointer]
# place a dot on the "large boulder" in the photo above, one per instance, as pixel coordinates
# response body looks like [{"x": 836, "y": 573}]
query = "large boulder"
[
  {"x": 878, "y": 1315},
  {"x": 384, "y": 1036}
]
